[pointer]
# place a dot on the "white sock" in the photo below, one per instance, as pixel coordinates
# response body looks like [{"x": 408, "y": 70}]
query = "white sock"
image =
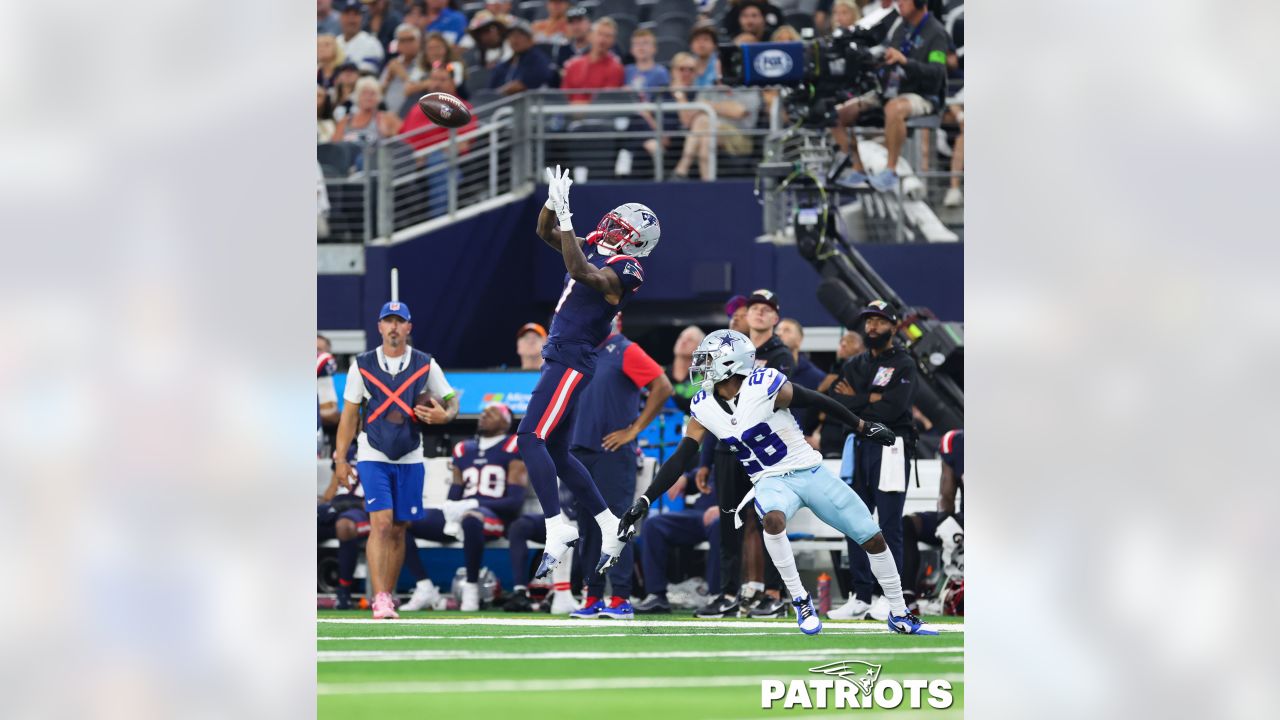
[
  {"x": 556, "y": 521},
  {"x": 754, "y": 586},
  {"x": 779, "y": 548},
  {"x": 608, "y": 523},
  {"x": 886, "y": 572}
]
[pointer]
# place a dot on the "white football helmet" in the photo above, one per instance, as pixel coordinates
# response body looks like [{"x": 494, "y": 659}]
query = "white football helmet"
[
  {"x": 722, "y": 354},
  {"x": 630, "y": 229}
]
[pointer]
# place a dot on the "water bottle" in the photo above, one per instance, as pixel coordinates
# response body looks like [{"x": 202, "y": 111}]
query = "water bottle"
[{"x": 824, "y": 594}]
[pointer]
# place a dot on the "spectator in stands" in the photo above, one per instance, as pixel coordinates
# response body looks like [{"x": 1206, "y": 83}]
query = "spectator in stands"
[
  {"x": 529, "y": 342},
  {"x": 678, "y": 371},
  {"x": 608, "y": 421},
  {"x": 329, "y": 57},
  {"x": 684, "y": 528},
  {"x": 324, "y": 116},
  {"x": 528, "y": 67},
  {"x": 953, "y": 21},
  {"x": 703, "y": 42},
  {"x": 422, "y": 133},
  {"x": 366, "y": 123},
  {"x": 756, "y": 17},
  {"x": 843, "y": 14},
  {"x": 599, "y": 68},
  {"x": 644, "y": 72},
  {"x": 342, "y": 94},
  {"x": 785, "y": 33},
  {"x": 578, "y": 37},
  {"x": 486, "y": 35},
  {"x": 441, "y": 18},
  {"x": 382, "y": 21},
  {"x": 326, "y": 19},
  {"x": 914, "y": 81},
  {"x": 404, "y": 77},
  {"x": 360, "y": 47},
  {"x": 737, "y": 110},
  {"x": 438, "y": 51},
  {"x": 500, "y": 7},
  {"x": 554, "y": 28}
]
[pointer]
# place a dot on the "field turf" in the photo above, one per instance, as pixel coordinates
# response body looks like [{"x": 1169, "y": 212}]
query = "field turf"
[{"x": 499, "y": 665}]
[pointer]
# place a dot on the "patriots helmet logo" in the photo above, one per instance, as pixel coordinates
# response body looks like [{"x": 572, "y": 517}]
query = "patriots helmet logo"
[
  {"x": 862, "y": 675},
  {"x": 648, "y": 218}
]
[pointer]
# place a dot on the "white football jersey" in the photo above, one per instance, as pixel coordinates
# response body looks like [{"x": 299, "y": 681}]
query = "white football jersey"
[{"x": 768, "y": 441}]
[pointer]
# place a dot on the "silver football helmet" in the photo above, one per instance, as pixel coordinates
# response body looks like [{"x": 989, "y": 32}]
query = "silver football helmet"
[
  {"x": 630, "y": 229},
  {"x": 722, "y": 354}
]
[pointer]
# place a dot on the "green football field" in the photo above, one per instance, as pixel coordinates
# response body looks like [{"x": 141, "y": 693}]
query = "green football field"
[{"x": 658, "y": 668}]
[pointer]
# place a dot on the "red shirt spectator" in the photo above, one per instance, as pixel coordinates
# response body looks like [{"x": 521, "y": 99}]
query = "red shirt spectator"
[{"x": 599, "y": 68}]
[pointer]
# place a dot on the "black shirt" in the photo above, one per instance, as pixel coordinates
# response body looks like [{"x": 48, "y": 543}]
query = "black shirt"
[{"x": 893, "y": 375}]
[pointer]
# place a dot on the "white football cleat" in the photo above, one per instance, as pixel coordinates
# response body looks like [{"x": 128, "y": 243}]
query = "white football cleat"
[
  {"x": 470, "y": 597},
  {"x": 560, "y": 538},
  {"x": 855, "y": 609},
  {"x": 562, "y": 602},
  {"x": 424, "y": 596},
  {"x": 610, "y": 545}
]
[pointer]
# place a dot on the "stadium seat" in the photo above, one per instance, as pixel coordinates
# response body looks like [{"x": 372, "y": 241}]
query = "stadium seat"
[
  {"x": 615, "y": 9},
  {"x": 800, "y": 20},
  {"x": 673, "y": 26},
  {"x": 482, "y": 97},
  {"x": 477, "y": 78},
  {"x": 532, "y": 10},
  {"x": 666, "y": 8},
  {"x": 668, "y": 47},
  {"x": 626, "y": 25}
]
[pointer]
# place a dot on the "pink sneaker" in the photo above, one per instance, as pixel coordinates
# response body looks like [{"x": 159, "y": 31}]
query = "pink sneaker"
[{"x": 384, "y": 608}]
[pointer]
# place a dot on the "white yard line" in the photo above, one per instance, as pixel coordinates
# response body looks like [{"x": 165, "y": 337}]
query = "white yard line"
[
  {"x": 548, "y": 622},
  {"x": 782, "y": 631},
  {"x": 758, "y": 654},
  {"x": 560, "y": 685}
]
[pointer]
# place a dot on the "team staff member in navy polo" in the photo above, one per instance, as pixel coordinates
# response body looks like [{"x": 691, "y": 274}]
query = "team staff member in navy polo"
[
  {"x": 381, "y": 386},
  {"x": 604, "y": 439},
  {"x": 880, "y": 385}
]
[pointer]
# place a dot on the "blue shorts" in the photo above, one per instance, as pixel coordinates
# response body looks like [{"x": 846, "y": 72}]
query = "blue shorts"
[
  {"x": 818, "y": 489},
  {"x": 554, "y": 398},
  {"x": 393, "y": 486}
]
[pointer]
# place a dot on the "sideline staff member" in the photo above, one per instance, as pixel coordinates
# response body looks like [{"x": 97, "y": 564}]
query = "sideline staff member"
[
  {"x": 878, "y": 385},
  {"x": 380, "y": 387}
]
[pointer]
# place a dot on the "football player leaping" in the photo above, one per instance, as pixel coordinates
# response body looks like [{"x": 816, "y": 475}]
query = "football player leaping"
[
  {"x": 746, "y": 407},
  {"x": 599, "y": 282}
]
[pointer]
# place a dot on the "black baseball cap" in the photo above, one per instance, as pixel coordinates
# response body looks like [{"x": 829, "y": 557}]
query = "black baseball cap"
[
  {"x": 577, "y": 12},
  {"x": 880, "y": 308},
  {"x": 763, "y": 296}
]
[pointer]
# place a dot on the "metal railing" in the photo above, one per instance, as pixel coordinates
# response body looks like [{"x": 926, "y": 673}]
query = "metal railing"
[{"x": 396, "y": 186}]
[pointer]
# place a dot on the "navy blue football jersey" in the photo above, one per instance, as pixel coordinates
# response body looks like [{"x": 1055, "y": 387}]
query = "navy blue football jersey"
[
  {"x": 484, "y": 472},
  {"x": 583, "y": 316}
]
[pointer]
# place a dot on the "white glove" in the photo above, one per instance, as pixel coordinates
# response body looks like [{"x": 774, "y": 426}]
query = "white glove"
[
  {"x": 562, "y": 201},
  {"x": 553, "y": 186}
]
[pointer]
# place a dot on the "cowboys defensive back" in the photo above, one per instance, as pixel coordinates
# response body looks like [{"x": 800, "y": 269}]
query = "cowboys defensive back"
[{"x": 746, "y": 407}]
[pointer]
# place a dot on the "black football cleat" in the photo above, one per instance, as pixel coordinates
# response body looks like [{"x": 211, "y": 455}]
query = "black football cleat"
[
  {"x": 769, "y": 608},
  {"x": 518, "y": 602},
  {"x": 722, "y": 606}
]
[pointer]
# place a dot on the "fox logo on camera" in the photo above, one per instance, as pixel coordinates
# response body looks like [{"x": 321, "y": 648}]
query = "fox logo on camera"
[{"x": 772, "y": 63}]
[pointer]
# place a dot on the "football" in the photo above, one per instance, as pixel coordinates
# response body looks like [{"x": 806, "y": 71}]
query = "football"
[{"x": 444, "y": 110}]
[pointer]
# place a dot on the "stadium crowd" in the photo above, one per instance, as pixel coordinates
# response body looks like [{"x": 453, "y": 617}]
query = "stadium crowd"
[
  {"x": 486, "y": 501},
  {"x": 376, "y": 58}
]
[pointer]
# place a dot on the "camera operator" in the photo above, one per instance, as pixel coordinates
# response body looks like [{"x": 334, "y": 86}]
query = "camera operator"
[
  {"x": 879, "y": 383},
  {"x": 913, "y": 79}
]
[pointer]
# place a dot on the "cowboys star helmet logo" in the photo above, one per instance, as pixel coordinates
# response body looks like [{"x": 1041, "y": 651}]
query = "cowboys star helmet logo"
[
  {"x": 727, "y": 341},
  {"x": 862, "y": 675}
]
